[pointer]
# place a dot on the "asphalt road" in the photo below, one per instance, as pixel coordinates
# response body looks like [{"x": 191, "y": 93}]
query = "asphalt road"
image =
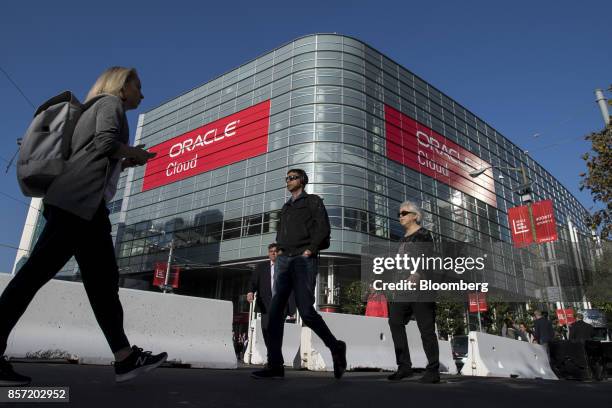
[{"x": 94, "y": 386}]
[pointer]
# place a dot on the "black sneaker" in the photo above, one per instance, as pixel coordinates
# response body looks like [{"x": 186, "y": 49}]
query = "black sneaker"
[
  {"x": 430, "y": 377},
  {"x": 139, "y": 362},
  {"x": 339, "y": 357},
  {"x": 8, "y": 376},
  {"x": 269, "y": 372},
  {"x": 401, "y": 373}
]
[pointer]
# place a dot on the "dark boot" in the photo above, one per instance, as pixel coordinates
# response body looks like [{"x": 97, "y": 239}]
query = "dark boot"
[
  {"x": 269, "y": 372},
  {"x": 339, "y": 357},
  {"x": 8, "y": 376},
  {"x": 402, "y": 372},
  {"x": 430, "y": 377}
]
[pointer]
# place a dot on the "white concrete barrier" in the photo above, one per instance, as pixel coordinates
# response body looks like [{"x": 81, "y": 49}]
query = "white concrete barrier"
[
  {"x": 447, "y": 362},
  {"x": 191, "y": 330},
  {"x": 369, "y": 345},
  {"x": 257, "y": 352},
  {"x": 496, "y": 356},
  {"x": 417, "y": 352}
]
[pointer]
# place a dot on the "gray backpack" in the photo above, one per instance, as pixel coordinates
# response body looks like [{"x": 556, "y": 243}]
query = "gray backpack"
[{"x": 45, "y": 147}]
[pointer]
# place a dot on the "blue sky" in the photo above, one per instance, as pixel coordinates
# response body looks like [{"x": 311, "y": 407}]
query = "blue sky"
[{"x": 525, "y": 67}]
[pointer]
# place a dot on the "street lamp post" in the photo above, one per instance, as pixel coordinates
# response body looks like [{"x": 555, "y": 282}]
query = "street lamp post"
[
  {"x": 527, "y": 198},
  {"x": 524, "y": 191},
  {"x": 165, "y": 287}
]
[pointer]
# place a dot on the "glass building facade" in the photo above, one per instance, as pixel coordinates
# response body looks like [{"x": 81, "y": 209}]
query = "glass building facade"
[{"x": 328, "y": 96}]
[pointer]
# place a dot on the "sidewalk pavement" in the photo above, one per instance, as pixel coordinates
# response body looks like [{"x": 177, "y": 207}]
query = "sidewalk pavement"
[{"x": 94, "y": 386}]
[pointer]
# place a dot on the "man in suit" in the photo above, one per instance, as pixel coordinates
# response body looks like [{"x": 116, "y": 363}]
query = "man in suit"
[
  {"x": 262, "y": 283},
  {"x": 580, "y": 330}
]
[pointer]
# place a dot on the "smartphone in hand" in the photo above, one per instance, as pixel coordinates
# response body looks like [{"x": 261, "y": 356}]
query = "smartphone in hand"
[{"x": 142, "y": 146}]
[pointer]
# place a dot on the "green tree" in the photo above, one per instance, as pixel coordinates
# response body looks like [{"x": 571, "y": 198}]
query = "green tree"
[
  {"x": 599, "y": 287},
  {"x": 493, "y": 318},
  {"x": 598, "y": 180},
  {"x": 352, "y": 298},
  {"x": 450, "y": 318}
]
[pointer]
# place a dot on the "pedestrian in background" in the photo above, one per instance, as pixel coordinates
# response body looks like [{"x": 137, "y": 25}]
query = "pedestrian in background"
[
  {"x": 262, "y": 284},
  {"x": 580, "y": 330},
  {"x": 525, "y": 333},
  {"x": 508, "y": 329},
  {"x": 543, "y": 329}
]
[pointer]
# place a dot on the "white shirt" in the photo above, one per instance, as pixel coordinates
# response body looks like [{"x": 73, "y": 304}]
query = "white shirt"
[{"x": 272, "y": 276}]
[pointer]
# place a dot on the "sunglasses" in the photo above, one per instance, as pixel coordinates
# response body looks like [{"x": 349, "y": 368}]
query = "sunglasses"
[
  {"x": 404, "y": 213},
  {"x": 291, "y": 178}
]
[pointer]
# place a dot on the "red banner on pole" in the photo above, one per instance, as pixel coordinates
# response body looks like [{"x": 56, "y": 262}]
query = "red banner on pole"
[
  {"x": 520, "y": 226},
  {"x": 544, "y": 219},
  {"x": 566, "y": 316},
  {"x": 159, "y": 275},
  {"x": 544, "y": 223},
  {"x": 478, "y": 302}
]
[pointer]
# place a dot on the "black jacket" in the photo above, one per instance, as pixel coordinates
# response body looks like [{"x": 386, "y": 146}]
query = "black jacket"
[
  {"x": 581, "y": 331},
  {"x": 421, "y": 235},
  {"x": 543, "y": 330},
  {"x": 261, "y": 284},
  {"x": 302, "y": 225}
]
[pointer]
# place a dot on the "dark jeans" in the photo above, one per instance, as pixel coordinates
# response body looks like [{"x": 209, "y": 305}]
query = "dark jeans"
[
  {"x": 425, "y": 314},
  {"x": 297, "y": 273},
  {"x": 91, "y": 244}
]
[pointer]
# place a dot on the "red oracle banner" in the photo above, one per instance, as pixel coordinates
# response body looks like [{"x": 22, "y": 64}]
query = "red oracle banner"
[
  {"x": 544, "y": 222},
  {"x": 478, "y": 302},
  {"x": 566, "y": 316},
  {"x": 544, "y": 219},
  {"x": 420, "y": 148},
  {"x": 159, "y": 275},
  {"x": 233, "y": 138},
  {"x": 520, "y": 226}
]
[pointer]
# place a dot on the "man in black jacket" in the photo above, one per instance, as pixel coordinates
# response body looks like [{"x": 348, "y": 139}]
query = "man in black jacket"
[
  {"x": 580, "y": 330},
  {"x": 262, "y": 283},
  {"x": 302, "y": 232},
  {"x": 543, "y": 329},
  {"x": 400, "y": 313}
]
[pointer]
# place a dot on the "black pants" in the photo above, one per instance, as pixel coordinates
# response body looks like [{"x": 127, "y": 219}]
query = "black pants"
[
  {"x": 91, "y": 244},
  {"x": 425, "y": 315},
  {"x": 297, "y": 273},
  {"x": 265, "y": 321},
  {"x": 265, "y": 318}
]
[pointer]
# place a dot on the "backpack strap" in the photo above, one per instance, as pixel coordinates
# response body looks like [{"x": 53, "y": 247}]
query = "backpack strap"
[
  {"x": 313, "y": 202},
  {"x": 65, "y": 96},
  {"x": 67, "y": 141}
]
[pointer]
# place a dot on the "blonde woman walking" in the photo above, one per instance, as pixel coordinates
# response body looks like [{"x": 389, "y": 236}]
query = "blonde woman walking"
[{"x": 77, "y": 224}]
